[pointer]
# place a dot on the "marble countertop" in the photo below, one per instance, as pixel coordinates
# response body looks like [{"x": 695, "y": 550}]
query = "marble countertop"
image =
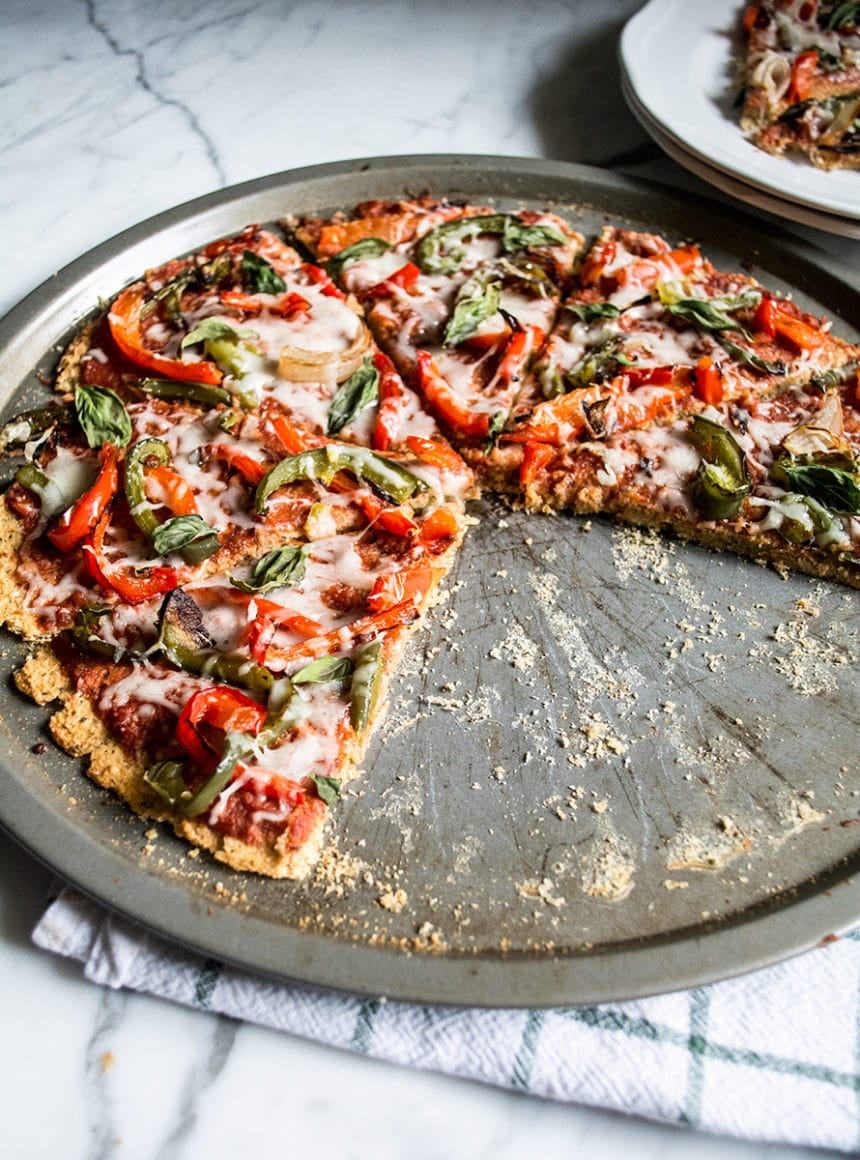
[{"x": 115, "y": 111}]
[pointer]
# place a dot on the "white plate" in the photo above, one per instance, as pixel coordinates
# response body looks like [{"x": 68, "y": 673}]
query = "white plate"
[
  {"x": 678, "y": 57},
  {"x": 750, "y": 194}
]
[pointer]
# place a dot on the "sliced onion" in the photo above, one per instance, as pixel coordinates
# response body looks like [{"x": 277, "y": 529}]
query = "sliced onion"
[
  {"x": 822, "y": 435},
  {"x": 309, "y": 366},
  {"x": 773, "y": 74},
  {"x": 843, "y": 120}
]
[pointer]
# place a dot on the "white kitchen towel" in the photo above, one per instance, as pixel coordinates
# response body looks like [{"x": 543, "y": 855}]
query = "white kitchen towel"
[{"x": 769, "y": 1056}]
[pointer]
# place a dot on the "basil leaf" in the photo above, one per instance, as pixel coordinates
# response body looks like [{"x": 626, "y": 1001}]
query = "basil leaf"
[
  {"x": 102, "y": 416},
  {"x": 185, "y": 534},
  {"x": 591, "y": 311},
  {"x": 280, "y": 568},
  {"x": 477, "y": 300},
  {"x": 327, "y": 787},
  {"x": 711, "y": 314},
  {"x": 366, "y": 248},
  {"x": 259, "y": 276},
  {"x": 323, "y": 670},
  {"x": 213, "y": 328},
  {"x": 352, "y": 397},
  {"x": 518, "y": 236},
  {"x": 835, "y": 488},
  {"x": 436, "y": 254},
  {"x": 749, "y": 358}
]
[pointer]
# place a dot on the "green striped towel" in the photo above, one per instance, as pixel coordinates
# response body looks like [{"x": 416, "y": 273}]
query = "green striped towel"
[{"x": 769, "y": 1056}]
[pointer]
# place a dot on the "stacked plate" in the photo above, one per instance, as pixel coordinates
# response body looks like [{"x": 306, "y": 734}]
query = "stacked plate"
[{"x": 678, "y": 76}]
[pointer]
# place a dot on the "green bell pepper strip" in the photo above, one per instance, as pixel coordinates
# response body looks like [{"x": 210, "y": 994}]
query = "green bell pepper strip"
[
  {"x": 366, "y": 685},
  {"x": 187, "y": 392},
  {"x": 233, "y": 668},
  {"x": 322, "y": 463},
  {"x": 167, "y": 779},
  {"x": 29, "y": 425},
  {"x": 83, "y": 630},
  {"x": 53, "y": 501},
  {"x": 183, "y": 639},
  {"x": 149, "y": 452},
  {"x": 723, "y": 480},
  {"x": 154, "y": 451},
  {"x": 284, "y": 714}
]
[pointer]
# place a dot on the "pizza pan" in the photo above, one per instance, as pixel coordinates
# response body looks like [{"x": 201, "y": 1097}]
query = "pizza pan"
[{"x": 612, "y": 764}]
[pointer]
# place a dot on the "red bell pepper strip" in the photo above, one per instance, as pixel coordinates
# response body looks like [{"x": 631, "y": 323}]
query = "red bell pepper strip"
[
  {"x": 269, "y": 784},
  {"x": 708, "y": 381},
  {"x": 291, "y": 439},
  {"x": 646, "y": 272},
  {"x": 235, "y": 245},
  {"x": 363, "y": 629},
  {"x": 440, "y": 525},
  {"x": 268, "y": 611},
  {"x": 317, "y": 275},
  {"x": 387, "y": 426},
  {"x": 176, "y": 493},
  {"x": 390, "y": 519},
  {"x": 750, "y": 17},
  {"x": 435, "y": 452},
  {"x": 446, "y": 404},
  {"x": 650, "y": 376},
  {"x": 402, "y": 279},
  {"x": 594, "y": 267},
  {"x": 132, "y": 587},
  {"x": 218, "y": 708},
  {"x": 287, "y": 305},
  {"x": 412, "y": 583},
  {"x": 803, "y": 74},
  {"x": 124, "y": 321},
  {"x": 775, "y": 318},
  {"x": 251, "y": 470},
  {"x": 535, "y": 458},
  {"x": 520, "y": 345},
  {"x": 74, "y": 524}
]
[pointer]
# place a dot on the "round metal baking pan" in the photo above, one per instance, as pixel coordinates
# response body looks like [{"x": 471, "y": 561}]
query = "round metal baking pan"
[{"x": 612, "y": 764}]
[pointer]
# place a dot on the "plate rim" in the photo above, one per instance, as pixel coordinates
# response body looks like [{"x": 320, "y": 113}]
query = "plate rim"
[
  {"x": 753, "y": 195},
  {"x": 657, "y": 965}
]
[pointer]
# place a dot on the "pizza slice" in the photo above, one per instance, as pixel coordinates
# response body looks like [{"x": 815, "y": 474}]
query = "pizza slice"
[
  {"x": 652, "y": 332},
  {"x": 801, "y": 77},
  {"x": 774, "y": 477},
  {"x": 460, "y": 296},
  {"x": 220, "y": 592},
  {"x": 246, "y": 325}
]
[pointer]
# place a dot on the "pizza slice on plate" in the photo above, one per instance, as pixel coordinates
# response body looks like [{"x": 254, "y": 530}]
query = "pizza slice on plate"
[{"x": 801, "y": 75}]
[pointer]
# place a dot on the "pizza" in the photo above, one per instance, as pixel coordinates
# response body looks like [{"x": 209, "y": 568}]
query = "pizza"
[
  {"x": 801, "y": 78},
  {"x": 255, "y": 474}
]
